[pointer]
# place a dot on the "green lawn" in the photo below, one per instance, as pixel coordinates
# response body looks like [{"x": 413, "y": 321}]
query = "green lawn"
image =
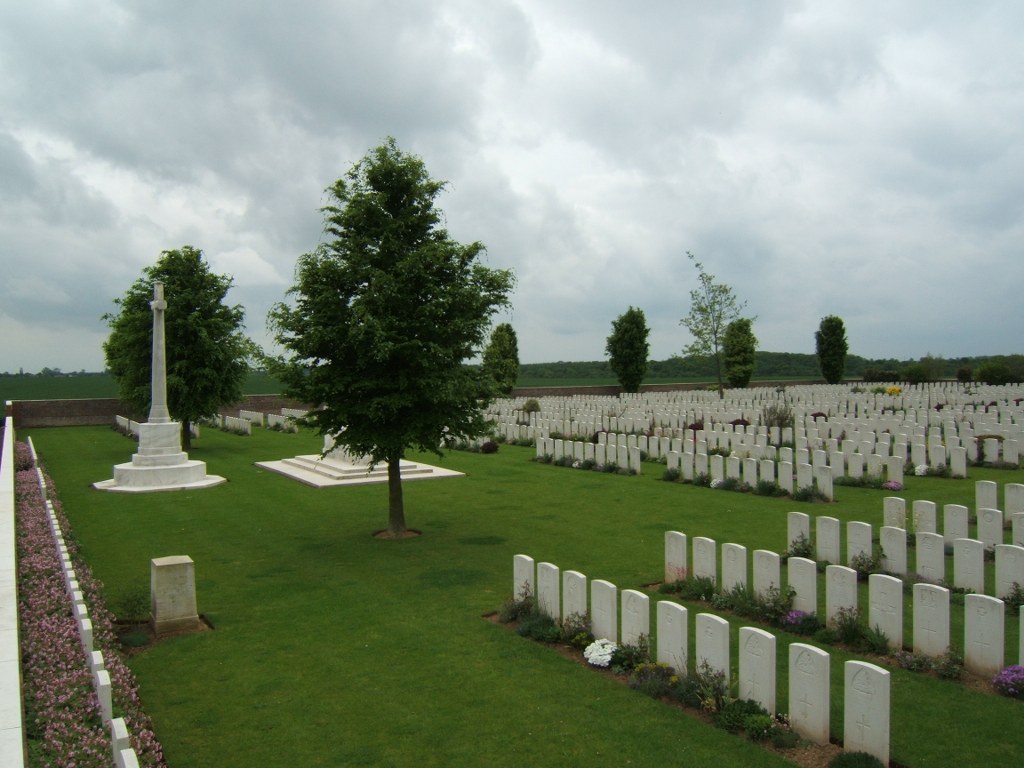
[{"x": 332, "y": 648}]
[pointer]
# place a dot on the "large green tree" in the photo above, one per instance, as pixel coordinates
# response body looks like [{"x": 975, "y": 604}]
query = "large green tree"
[
  {"x": 739, "y": 348},
  {"x": 207, "y": 351},
  {"x": 501, "y": 358},
  {"x": 627, "y": 348},
  {"x": 712, "y": 307},
  {"x": 384, "y": 316},
  {"x": 831, "y": 347}
]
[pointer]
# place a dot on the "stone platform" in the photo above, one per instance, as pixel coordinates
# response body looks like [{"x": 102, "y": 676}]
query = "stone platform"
[{"x": 329, "y": 472}]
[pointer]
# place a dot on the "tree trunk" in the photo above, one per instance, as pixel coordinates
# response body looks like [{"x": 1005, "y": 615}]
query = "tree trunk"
[
  {"x": 396, "y": 507},
  {"x": 186, "y": 435}
]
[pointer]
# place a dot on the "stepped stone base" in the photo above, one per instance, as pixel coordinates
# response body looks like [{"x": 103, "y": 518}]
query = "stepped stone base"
[
  {"x": 132, "y": 478},
  {"x": 328, "y": 472}
]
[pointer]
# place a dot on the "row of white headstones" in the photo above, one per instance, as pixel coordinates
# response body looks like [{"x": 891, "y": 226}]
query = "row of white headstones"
[{"x": 866, "y": 716}]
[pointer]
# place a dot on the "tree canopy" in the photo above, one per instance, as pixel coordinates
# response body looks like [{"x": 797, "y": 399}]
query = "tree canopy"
[
  {"x": 831, "y": 347},
  {"x": 712, "y": 307},
  {"x": 627, "y": 348},
  {"x": 385, "y": 315},
  {"x": 501, "y": 358},
  {"x": 206, "y": 350},
  {"x": 739, "y": 346}
]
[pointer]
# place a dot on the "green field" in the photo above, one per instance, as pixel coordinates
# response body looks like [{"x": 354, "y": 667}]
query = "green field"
[{"x": 332, "y": 648}]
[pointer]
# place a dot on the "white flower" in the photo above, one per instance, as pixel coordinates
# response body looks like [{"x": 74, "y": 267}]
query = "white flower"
[
  {"x": 921, "y": 470},
  {"x": 716, "y": 483},
  {"x": 599, "y": 653},
  {"x": 576, "y": 464}
]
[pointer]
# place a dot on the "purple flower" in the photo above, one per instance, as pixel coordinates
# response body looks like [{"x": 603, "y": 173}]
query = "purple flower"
[{"x": 1009, "y": 681}]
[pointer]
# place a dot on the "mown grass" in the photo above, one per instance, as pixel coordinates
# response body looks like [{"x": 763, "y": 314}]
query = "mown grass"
[{"x": 333, "y": 648}]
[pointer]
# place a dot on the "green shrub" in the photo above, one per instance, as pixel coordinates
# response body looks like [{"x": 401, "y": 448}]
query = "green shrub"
[
  {"x": 732, "y": 716},
  {"x": 628, "y": 657},
  {"x": 531, "y": 406},
  {"x": 784, "y": 738},
  {"x": 855, "y": 760},
  {"x": 671, "y": 475},
  {"x": 538, "y": 626},
  {"x": 800, "y": 547},
  {"x": 654, "y": 680},
  {"x": 758, "y": 727}
]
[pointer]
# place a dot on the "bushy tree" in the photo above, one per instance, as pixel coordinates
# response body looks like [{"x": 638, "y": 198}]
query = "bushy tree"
[
  {"x": 501, "y": 358},
  {"x": 831, "y": 347},
  {"x": 206, "y": 350},
  {"x": 385, "y": 315},
  {"x": 993, "y": 372},
  {"x": 739, "y": 346},
  {"x": 712, "y": 307},
  {"x": 627, "y": 348}
]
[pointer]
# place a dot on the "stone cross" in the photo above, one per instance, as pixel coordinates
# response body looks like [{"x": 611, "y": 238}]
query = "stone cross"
[{"x": 158, "y": 413}]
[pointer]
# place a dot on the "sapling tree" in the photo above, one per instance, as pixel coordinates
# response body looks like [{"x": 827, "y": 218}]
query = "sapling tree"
[
  {"x": 712, "y": 307},
  {"x": 385, "y": 315},
  {"x": 627, "y": 348},
  {"x": 831, "y": 347},
  {"x": 739, "y": 347},
  {"x": 501, "y": 358}
]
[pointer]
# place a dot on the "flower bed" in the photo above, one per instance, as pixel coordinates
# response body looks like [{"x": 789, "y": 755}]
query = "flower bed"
[{"x": 62, "y": 714}]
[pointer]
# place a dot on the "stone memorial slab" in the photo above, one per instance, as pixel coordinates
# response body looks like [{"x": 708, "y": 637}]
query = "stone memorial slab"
[
  {"x": 172, "y": 591},
  {"x": 604, "y": 610},
  {"x": 809, "y": 685},
  {"x": 931, "y": 557},
  {"x": 675, "y": 556},
  {"x": 1017, "y": 529},
  {"x": 983, "y": 634},
  {"x": 1009, "y": 569},
  {"x": 672, "y": 645},
  {"x": 798, "y": 524},
  {"x": 894, "y": 550},
  {"x": 969, "y": 565},
  {"x": 767, "y": 572},
  {"x": 636, "y": 617},
  {"x": 990, "y": 527},
  {"x": 1013, "y": 498},
  {"x": 826, "y": 531},
  {"x": 958, "y": 461},
  {"x": 549, "y": 590},
  {"x": 955, "y": 522},
  {"x": 931, "y": 619},
  {"x": 757, "y": 667},
  {"x": 802, "y": 576},
  {"x": 858, "y": 541},
  {"x": 840, "y": 591},
  {"x": 804, "y": 476},
  {"x": 712, "y": 641},
  {"x": 986, "y": 494},
  {"x": 867, "y": 710},
  {"x": 885, "y": 611},
  {"x": 705, "y": 563},
  {"x": 524, "y": 582},
  {"x": 574, "y": 594},
  {"x": 734, "y": 567},
  {"x": 924, "y": 517}
]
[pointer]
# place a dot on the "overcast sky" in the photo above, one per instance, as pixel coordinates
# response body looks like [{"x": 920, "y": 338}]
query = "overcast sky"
[{"x": 859, "y": 159}]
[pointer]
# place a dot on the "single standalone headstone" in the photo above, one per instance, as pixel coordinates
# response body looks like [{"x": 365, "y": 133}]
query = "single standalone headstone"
[
  {"x": 172, "y": 591},
  {"x": 990, "y": 527},
  {"x": 958, "y": 461},
  {"x": 809, "y": 692},
  {"x": 636, "y": 617},
  {"x": 1013, "y": 495},
  {"x": 827, "y": 539},
  {"x": 858, "y": 541},
  {"x": 767, "y": 571},
  {"x": 1009, "y": 569},
  {"x": 712, "y": 640},
  {"x": 802, "y": 576},
  {"x": 673, "y": 636},
  {"x": 798, "y": 526},
  {"x": 840, "y": 591},
  {"x": 983, "y": 634},
  {"x": 734, "y": 567},
  {"x": 894, "y": 550},
  {"x": 604, "y": 610},
  {"x": 716, "y": 465},
  {"x": 924, "y": 516},
  {"x": 524, "y": 582},
  {"x": 704, "y": 560},
  {"x": 931, "y": 619},
  {"x": 885, "y": 612},
  {"x": 757, "y": 667},
  {"x": 549, "y": 596},
  {"x": 969, "y": 565},
  {"x": 931, "y": 557},
  {"x": 955, "y": 519},
  {"x": 986, "y": 494},
  {"x": 574, "y": 594},
  {"x": 675, "y": 556},
  {"x": 867, "y": 710},
  {"x": 101, "y": 682}
]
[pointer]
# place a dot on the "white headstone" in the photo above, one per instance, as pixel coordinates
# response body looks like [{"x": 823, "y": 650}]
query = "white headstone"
[
  {"x": 549, "y": 595},
  {"x": 704, "y": 559},
  {"x": 173, "y": 594},
  {"x": 809, "y": 692},
  {"x": 757, "y": 667},
  {"x": 867, "y": 710},
  {"x": 802, "y": 576},
  {"x": 986, "y": 494},
  {"x": 734, "y": 567},
  {"x": 931, "y": 619},
  {"x": 924, "y": 517},
  {"x": 983, "y": 634},
  {"x": 969, "y": 565},
  {"x": 885, "y": 611},
  {"x": 931, "y": 557},
  {"x": 604, "y": 610},
  {"x": 798, "y": 525},
  {"x": 675, "y": 556},
  {"x": 840, "y": 591},
  {"x": 990, "y": 527},
  {"x": 955, "y": 522},
  {"x": 574, "y": 594},
  {"x": 636, "y": 616},
  {"x": 894, "y": 549},
  {"x": 712, "y": 641},
  {"x": 672, "y": 636},
  {"x": 524, "y": 583},
  {"x": 767, "y": 571},
  {"x": 827, "y": 539},
  {"x": 858, "y": 541},
  {"x": 1009, "y": 569}
]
